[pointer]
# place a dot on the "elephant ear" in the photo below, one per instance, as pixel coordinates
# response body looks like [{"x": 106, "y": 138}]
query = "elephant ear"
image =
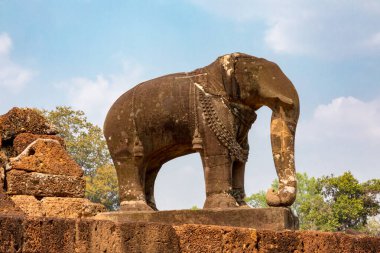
[{"x": 246, "y": 72}]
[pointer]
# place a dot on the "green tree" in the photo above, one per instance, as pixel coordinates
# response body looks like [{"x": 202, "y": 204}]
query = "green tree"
[
  {"x": 257, "y": 199},
  {"x": 86, "y": 144},
  {"x": 84, "y": 141},
  {"x": 351, "y": 202},
  {"x": 307, "y": 192},
  {"x": 102, "y": 187},
  {"x": 331, "y": 203}
]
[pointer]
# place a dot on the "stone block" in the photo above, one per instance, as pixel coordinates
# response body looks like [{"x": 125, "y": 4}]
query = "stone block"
[
  {"x": 48, "y": 235},
  {"x": 260, "y": 218},
  {"x": 23, "y": 120},
  {"x": 28, "y": 204},
  {"x": 57, "y": 207},
  {"x": 35, "y": 234},
  {"x": 8, "y": 207},
  {"x": 11, "y": 233},
  {"x": 44, "y": 185},
  {"x": 279, "y": 241},
  {"x": 22, "y": 141},
  {"x": 207, "y": 238},
  {"x": 70, "y": 207},
  {"x": 3, "y": 159},
  {"x": 46, "y": 156}
]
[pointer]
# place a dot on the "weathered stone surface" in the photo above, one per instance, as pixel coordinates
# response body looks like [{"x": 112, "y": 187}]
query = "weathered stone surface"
[
  {"x": 57, "y": 207},
  {"x": 44, "y": 185},
  {"x": 23, "y": 120},
  {"x": 46, "y": 156},
  {"x": 70, "y": 207},
  {"x": 8, "y": 207},
  {"x": 48, "y": 235},
  {"x": 195, "y": 238},
  {"x": 2, "y": 178},
  {"x": 259, "y": 218},
  {"x": 314, "y": 241},
  {"x": 28, "y": 204},
  {"x": 105, "y": 236},
  {"x": 283, "y": 241},
  {"x": 11, "y": 233},
  {"x": 26, "y": 234},
  {"x": 70, "y": 235},
  {"x": 3, "y": 159},
  {"x": 24, "y": 139}
]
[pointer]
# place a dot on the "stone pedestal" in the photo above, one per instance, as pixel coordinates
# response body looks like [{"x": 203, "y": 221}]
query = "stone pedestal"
[{"x": 257, "y": 218}]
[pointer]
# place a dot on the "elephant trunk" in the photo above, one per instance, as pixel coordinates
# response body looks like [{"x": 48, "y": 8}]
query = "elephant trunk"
[{"x": 283, "y": 128}]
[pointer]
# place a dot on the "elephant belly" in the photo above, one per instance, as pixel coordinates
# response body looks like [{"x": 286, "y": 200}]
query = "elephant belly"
[{"x": 159, "y": 111}]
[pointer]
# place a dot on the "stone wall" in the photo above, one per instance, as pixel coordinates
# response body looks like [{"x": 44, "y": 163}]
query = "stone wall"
[
  {"x": 37, "y": 176},
  {"x": 28, "y": 234}
]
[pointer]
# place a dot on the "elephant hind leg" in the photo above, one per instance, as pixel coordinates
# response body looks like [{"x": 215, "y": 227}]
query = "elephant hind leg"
[
  {"x": 131, "y": 177},
  {"x": 150, "y": 179}
]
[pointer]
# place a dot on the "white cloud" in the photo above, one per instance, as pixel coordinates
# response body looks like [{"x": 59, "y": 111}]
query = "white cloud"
[
  {"x": 373, "y": 41},
  {"x": 342, "y": 135},
  {"x": 95, "y": 96},
  {"x": 319, "y": 28},
  {"x": 13, "y": 77},
  {"x": 5, "y": 44},
  {"x": 345, "y": 118}
]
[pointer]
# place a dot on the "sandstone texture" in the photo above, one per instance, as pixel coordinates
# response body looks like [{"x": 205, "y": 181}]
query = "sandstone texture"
[
  {"x": 23, "y": 120},
  {"x": 70, "y": 207},
  {"x": 3, "y": 159},
  {"x": 259, "y": 218},
  {"x": 46, "y": 156},
  {"x": 7, "y": 206},
  {"x": 38, "y": 178},
  {"x": 44, "y": 185},
  {"x": 24, "y": 139},
  {"x": 28, "y": 204},
  {"x": 2, "y": 178},
  {"x": 203, "y": 238},
  {"x": 34, "y": 234},
  {"x": 57, "y": 207}
]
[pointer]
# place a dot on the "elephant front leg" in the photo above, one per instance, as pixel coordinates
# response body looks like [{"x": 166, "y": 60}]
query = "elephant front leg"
[{"x": 218, "y": 178}]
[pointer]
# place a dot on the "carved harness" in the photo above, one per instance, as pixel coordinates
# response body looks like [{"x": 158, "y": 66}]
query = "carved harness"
[{"x": 225, "y": 137}]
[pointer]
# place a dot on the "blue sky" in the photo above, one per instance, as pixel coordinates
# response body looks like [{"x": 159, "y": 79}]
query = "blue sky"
[{"x": 86, "y": 53}]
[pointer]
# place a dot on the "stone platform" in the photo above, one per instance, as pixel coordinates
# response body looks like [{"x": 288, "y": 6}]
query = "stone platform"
[
  {"x": 56, "y": 235},
  {"x": 257, "y": 218}
]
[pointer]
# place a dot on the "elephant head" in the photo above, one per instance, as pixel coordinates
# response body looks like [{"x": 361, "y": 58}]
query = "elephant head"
[{"x": 257, "y": 82}]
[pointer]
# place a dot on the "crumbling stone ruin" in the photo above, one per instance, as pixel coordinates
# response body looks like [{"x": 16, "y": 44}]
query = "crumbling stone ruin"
[{"x": 37, "y": 176}]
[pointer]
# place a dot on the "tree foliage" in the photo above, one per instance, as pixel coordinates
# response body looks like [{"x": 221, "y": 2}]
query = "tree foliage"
[
  {"x": 332, "y": 203},
  {"x": 84, "y": 141},
  {"x": 351, "y": 202},
  {"x": 102, "y": 187},
  {"x": 86, "y": 144},
  {"x": 257, "y": 200}
]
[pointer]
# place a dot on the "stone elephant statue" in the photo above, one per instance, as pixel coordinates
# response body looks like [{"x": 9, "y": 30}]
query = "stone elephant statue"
[{"x": 210, "y": 111}]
